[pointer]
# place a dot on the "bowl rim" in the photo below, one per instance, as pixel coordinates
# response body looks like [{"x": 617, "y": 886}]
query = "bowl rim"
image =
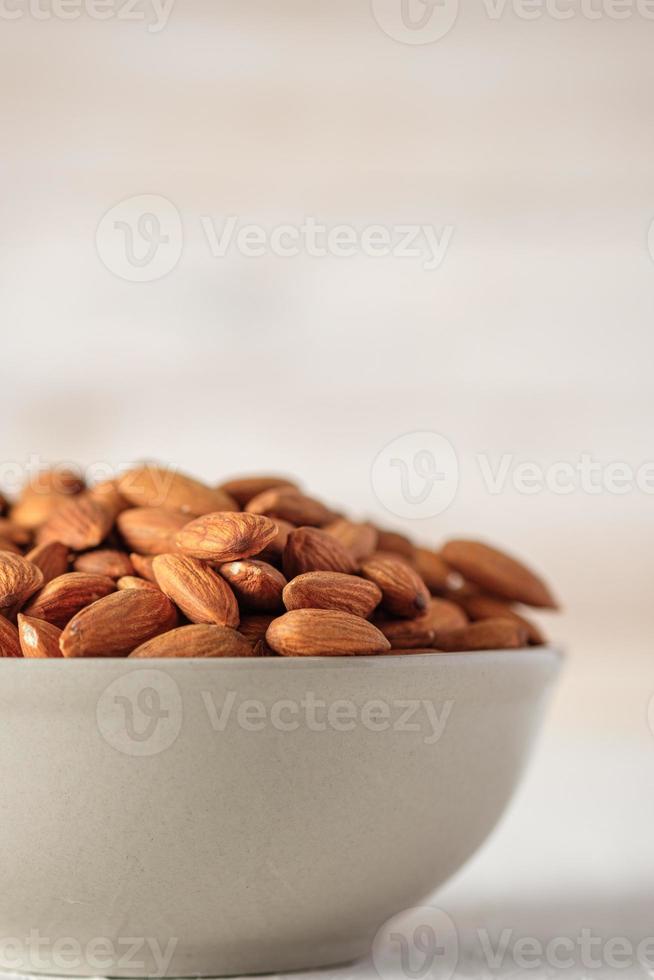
[{"x": 548, "y": 653}]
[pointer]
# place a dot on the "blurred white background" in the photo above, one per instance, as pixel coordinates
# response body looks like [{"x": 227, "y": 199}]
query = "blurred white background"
[{"x": 532, "y": 141}]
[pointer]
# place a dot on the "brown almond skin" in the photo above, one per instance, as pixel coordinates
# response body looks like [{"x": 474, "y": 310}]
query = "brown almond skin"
[
  {"x": 257, "y": 585},
  {"x": 51, "y": 558},
  {"x": 441, "y": 617},
  {"x": 143, "y": 566},
  {"x": 226, "y": 536},
  {"x": 433, "y": 570},
  {"x": 19, "y": 580},
  {"x": 43, "y": 495},
  {"x": 308, "y": 549},
  {"x": 253, "y": 627},
  {"x": 359, "y": 539},
  {"x": 404, "y": 592},
  {"x": 157, "y": 486},
  {"x": 322, "y": 633},
  {"x": 133, "y": 582},
  {"x": 405, "y": 651},
  {"x": 65, "y": 596},
  {"x": 201, "y": 594},
  {"x": 243, "y": 489},
  {"x": 78, "y": 522},
  {"x": 498, "y": 573},
  {"x": 113, "y": 564},
  {"x": 200, "y": 640},
  {"x": 485, "y": 607},
  {"x": 290, "y": 505},
  {"x": 150, "y": 530},
  {"x": 488, "y": 634},
  {"x": 6, "y": 545},
  {"x": 118, "y": 624},
  {"x": 10, "y": 531},
  {"x": 394, "y": 543},
  {"x": 108, "y": 496},
  {"x": 273, "y": 553},
  {"x": 332, "y": 590},
  {"x": 38, "y": 638},
  {"x": 9, "y": 640}
]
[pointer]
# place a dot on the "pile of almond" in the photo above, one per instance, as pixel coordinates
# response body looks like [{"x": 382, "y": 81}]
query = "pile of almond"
[{"x": 157, "y": 564}]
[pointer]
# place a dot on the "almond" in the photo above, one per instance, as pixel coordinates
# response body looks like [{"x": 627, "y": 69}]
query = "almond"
[
  {"x": 10, "y": 531},
  {"x": 43, "y": 495},
  {"x": 256, "y": 584},
  {"x": 309, "y": 549},
  {"x": 9, "y": 641},
  {"x": 63, "y": 597},
  {"x": 290, "y": 505},
  {"x": 155, "y": 486},
  {"x": 226, "y": 536},
  {"x": 274, "y": 550},
  {"x": 359, "y": 539},
  {"x": 143, "y": 566},
  {"x": 150, "y": 530},
  {"x": 394, "y": 543},
  {"x": 244, "y": 488},
  {"x": 485, "y": 607},
  {"x": 4, "y": 506},
  {"x": 201, "y": 594},
  {"x": 51, "y": 558},
  {"x": 332, "y": 590},
  {"x": 254, "y": 627},
  {"x": 488, "y": 634},
  {"x": 113, "y": 564},
  {"x": 38, "y": 638},
  {"x": 19, "y": 580},
  {"x": 440, "y": 618},
  {"x": 498, "y": 573},
  {"x": 404, "y": 592},
  {"x": 405, "y": 651},
  {"x": 435, "y": 573},
  {"x": 261, "y": 649},
  {"x": 133, "y": 582},
  {"x": 323, "y": 632},
  {"x": 78, "y": 522},
  {"x": 108, "y": 496},
  {"x": 6, "y": 545},
  {"x": 118, "y": 624},
  {"x": 200, "y": 640}
]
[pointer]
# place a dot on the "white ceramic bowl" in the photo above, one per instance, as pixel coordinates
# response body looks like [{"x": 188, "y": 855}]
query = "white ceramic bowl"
[{"x": 216, "y": 817}]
